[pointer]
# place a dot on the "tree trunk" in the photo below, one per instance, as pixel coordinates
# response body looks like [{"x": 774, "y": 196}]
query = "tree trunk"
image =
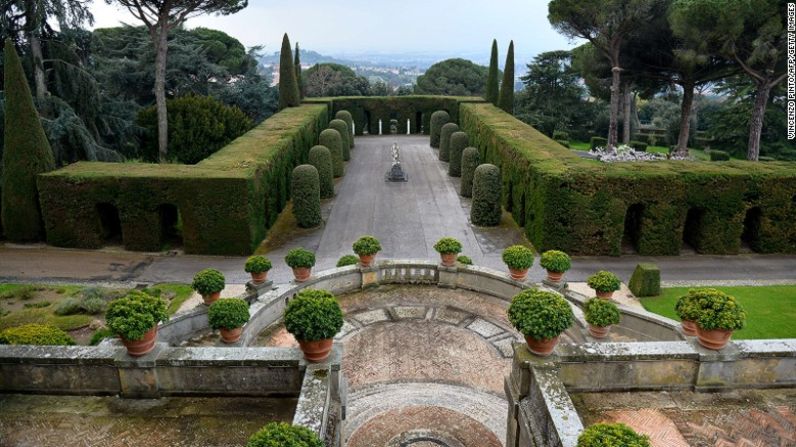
[
  {"x": 685, "y": 120},
  {"x": 32, "y": 25},
  {"x": 756, "y": 127},
  {"x": 628, "y": 98},
  {"x": 161, "y": 40},
  {"x": 615, "y": 98}
]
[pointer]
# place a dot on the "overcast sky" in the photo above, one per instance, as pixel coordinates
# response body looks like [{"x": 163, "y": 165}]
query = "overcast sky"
[{"x": 449, "y": 27}]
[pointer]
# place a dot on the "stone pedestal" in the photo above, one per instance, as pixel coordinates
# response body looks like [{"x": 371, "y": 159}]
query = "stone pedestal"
[
  {"x": 370, "y": 276},
  {"x": 447, "y": 276},
  {"x": 560, "y": 286},
  {"x": 259, "y": 289},
  {"x": 138, "y": 377}
]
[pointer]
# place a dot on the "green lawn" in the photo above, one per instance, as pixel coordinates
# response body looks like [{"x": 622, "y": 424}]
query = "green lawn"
[{"x": 770, "y": 310}]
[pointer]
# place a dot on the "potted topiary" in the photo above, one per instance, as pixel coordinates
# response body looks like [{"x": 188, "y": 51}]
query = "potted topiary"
[
  {"x": 282, "y": 434},
  {"x": 228, "y": 316},
  {"x": 519, "y": 259},
  {"x": 602, "y": 435},
  {"x": 314, "y": 317},
  {"x": 541, "y": 317},
  {"x": 556, "y": 263},
  {"x": 448, "y": 248},
  {"x": 347, "y": 260},
  {"x": 134, "y": 318},
  {"x": 258, "y": 266},
  {"x": 601, "y": 315},
  {"x": 464, "y": 260},
  {"x": 301, "y": 261},
  {"x": 687, "y": 308},
  {"x": 604, "y": 283},
  {"x": 209, "y": 283},
  {"x": 719, "y": 315},
  {"x": 366, "y": 248}
]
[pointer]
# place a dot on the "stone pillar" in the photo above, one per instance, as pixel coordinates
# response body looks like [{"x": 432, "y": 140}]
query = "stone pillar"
[
  {"x": 447, "y": 276},
  {"x": 409, "y": 127},
  {"x": 138, "y": 377},
  {"x": 370, "y": 276},
  {"x": 379, "y": 127}
]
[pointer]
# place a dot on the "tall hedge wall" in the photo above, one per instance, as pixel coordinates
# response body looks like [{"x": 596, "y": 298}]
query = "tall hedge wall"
[{"x": 587, "y": 207}]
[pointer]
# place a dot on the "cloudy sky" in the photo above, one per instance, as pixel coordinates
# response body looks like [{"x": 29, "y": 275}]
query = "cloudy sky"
[{"x": 447, "y": 27}]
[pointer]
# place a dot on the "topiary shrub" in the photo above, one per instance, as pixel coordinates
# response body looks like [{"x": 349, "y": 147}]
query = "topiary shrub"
[
  {"x": 438, "y": 119},
  {"x": 448, "y": 245},
  {"x": 564, "y": 143},
  {"x": 135, "y": 314},
  {"x": 646, "y": 280},
  {"x": 540, "y": 315},
  {"x": 603, "y": 281},
  {"x": 257, "y": 264},
  {"x": 282, "y": 434},
  {"x": 366, "y": 246},
  {"x": 687, "y": 306},
  {"x": 464, "y": 260},
  {"x": 717, "y": 310},
  {"x": 719, "y": 155},
  {"x": 321, "y": 158},
  {"x": 208, "y": 281},
  {"x": 609, "y": 435},
  {"x": 638, "y": 146},
  {"x": 313, "y": 315},
  {"x": 560, "y": 135},
  {"x": 346, "y": 116},
  {"x": 345, "y": 135},
  {"x": 306, "y": 195},
  {"x": 601, "y": 313},
  {"x": 228, "y": 313},
  {"x": 470, "y": 161},
  {"x": 35, "y": 334},
  {"x": 486, "y": 210},
  {"x": 300, "y": 258},
  {"x": 555, "y": 261},
  {"x": 347, "y": 260},
  {"x": 598, "y": 142},
  {"x": 445, "y": 140},
  {"x": 518, "y": 257},
  {"x": 459, "y": 141},
  {"x": 334, "y": 142}
]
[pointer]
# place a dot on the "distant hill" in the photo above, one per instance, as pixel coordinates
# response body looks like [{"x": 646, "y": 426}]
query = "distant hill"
[{"x": 309, "y": 57}]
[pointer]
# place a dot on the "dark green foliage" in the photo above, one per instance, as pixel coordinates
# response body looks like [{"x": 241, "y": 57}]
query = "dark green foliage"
[
  {"x": 99, "y": 335},
  {"x": 35, "y": 334},
  {"x": 601, "y": 313},
  {"x": 492, "y": 81},
  {"x": 518, "y": 257},
  {"x": 321, "y": 158},
  {"x": 198, "y": 127},
  {"x": 366, "y": 246},
  {"x": 598, "y": 142},
  {"x": 540, "y": 315},
  {"x": 646, "y": 280},
  {"x": 135, "y": 314},
  {"x": 716, "y": 155},
  {"x": 347, "y": 260},
  {"x": 448, "y": 245},
  {"x": 313, "y": 315},
  {"x": 609, "y": 435},
  {"x": 345, "y": 115},
  {"x": 445, "y": 140},
  {"x": 560, "y": 135},
  {"x": 297, "y": 66},
  {"x": 464, "y": 260},
  {"x": 345, "y": 135},
  {"x": 289, "y": 95},
  {"x": 300, "y": 258},
  {"x": 687, "y": 306},
  {"x": 438, "y": 119},
  {"x": 604, "y": 281},
  {"x": 208, "y": 281},
  {"x": 470, "y": 161},
  {"x": 282, "y": 434},
  {"x": 328, "y": 79},
  {"x": 555, "y": 261},
  {"x": 638, "y": 145},
  {"x": 26, "y": 153},
  {"x": 306, "y": 195},
  {"x": 257, "y": 264},
  {"x": 332, "y": 140},
  {"x": 459, "y": 141},
  {"x": 506, "y": 98},
  {"x": 456, "y": 77},
  {"x": 486, "y": 210},
  {"x": 564, "y": 143},
  {"x": 228, "y": 313}
]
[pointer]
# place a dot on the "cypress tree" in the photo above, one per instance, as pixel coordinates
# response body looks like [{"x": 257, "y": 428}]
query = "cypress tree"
[
  {"x": 26, "y": 153},
  {"x": 492, "y": 86},
  {"x": 297, "y": 65},
  {"x": 288, "y": 86},
  {"x": 506, "y": 99}
]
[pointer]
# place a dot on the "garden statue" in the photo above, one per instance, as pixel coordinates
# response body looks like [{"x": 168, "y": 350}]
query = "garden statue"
[{"x": 396, "y": 173}]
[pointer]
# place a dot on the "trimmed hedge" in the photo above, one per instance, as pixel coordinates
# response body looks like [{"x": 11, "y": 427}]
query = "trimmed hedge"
[
  {"x": 485, "y": 211},
  {"x": 306, "y": 196},
  {"x": 345, "y": 115},
  {"x": 345, "y": 132},
  {"x": 638, "y": 146},
  {"x": 331, "y": 139},
  {"x": 560, "y": 135},
  {"x": 438, "y": 119},
  {"x": 719, "y": 155},
  {"x": 598, "y": 142},
  {"x": 646, "y": 280},
  {"x": 470, "y": 161},
  {"x": 445, "y": 140},
  {"x": 321, "y": 158},
  {"x": 459, "y": 141}
]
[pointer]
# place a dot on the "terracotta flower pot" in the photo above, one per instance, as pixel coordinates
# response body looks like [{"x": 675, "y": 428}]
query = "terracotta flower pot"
[
  {"x": 518, "y": 275},
  {"x": 554, "y": 276},
  {"x": 689, "y": 327},
  {"x": 230, "y": 335},
  {"x": 599, "y": 331},
  {"x": 316, "y": 350},
  {"x": 448, "y": 259},
  {"x": 212, "y": 298},
  {"x": 366, "y": 260},
  {"x": 542, "y": 348},
  {"x": 713, "y": 339},
  {"x": 605, "y": 295},
  {"x": 302, "y": 273},
  {"x": 143, "y": 346},
  {"x": 259, "y": 278}
]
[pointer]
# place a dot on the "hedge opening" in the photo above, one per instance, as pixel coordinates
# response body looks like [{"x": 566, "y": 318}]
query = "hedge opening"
[
  {"x": 632, "y": 232},
  {"x": 751, "y": 228},
  {"x": 419, "y": 123},
  {"x": 170, "y": 225},
  {"x": 693, "y": 227},
  {"x": 110, "y": 223}
]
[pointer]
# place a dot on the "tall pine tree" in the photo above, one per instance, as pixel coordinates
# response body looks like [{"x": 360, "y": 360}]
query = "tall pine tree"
[
  {"x": 297, "y": 65},
  {"x": 26, "y": 153},
  {"x": 288, "y": 86},
  {"x": 506, "y": 99},
  {"x": 492, "y": 86}
]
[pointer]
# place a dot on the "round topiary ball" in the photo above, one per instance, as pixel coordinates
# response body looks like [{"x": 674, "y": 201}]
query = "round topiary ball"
[
  {"x": 486, "y": 211},
  {"x": 334, "y": 142},
  {"x": 306, "y": 196},
  {"x": 459, "y": 141},
  {"x": 321, "y": 158},
  {"x": 470, "y": 160},
  {"x": 345, "y": 115},
  {"x": 345, "y": 136},
  {"x": 438, "y": 119},
  {"x": 445, "y": 139}
]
